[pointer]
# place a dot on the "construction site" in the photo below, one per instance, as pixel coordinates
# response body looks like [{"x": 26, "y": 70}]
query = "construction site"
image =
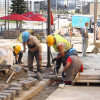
[{"x": 66, "y": 52}]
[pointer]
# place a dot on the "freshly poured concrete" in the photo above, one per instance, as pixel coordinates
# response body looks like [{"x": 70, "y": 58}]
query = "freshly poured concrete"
[{"x": 76, "y": 93}]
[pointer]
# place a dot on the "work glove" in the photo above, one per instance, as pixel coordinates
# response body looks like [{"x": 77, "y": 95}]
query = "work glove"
[
  {"x": 16, "y": 62},
  {"x": 63, "y": 74},
  {"x": 53, "y": 60}
]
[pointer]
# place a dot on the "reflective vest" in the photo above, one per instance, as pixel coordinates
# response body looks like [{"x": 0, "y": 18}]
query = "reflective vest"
[{"x": 60, "y": 39}]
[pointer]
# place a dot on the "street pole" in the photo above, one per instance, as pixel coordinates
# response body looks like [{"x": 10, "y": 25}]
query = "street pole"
[
  {"x": 67, "y": 4},
  {"x": 56, "y": 6},
  {"x": 95, "y": 18},
  {"x": 75, "y": 3},
  {"x": 48, "y": 33},
  {"x": 5, "y": 14},
  {"x": 81, "y": 7},
  {"x": 8, "y": 14}
]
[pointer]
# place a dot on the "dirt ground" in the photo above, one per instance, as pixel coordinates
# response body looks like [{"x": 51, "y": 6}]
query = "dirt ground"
[
  {"x": 49, "y": 89},
  {"x": 18, "y": 76}
]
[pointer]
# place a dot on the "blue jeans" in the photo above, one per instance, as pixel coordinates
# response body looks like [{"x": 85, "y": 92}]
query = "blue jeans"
[{"x": 84, "y": 45}]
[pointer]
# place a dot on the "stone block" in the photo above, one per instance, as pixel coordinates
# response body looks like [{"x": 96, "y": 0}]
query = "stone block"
[
  {"x": 6, "y": 94},
  {"x": 18, "y": 90},
  {"x": 15, "y": 84},
  {"x": 31, "y": 75},
  {"x": 40, "y": 77},
  {"x": 2, "y": 97},
  {"x": 35, "y": 81},
  {"x": 13, "y": 92},
  {"x": 27, "y": 84}
]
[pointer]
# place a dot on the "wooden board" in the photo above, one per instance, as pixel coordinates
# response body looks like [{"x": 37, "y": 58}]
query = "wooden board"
[{"x": 88, "y": 76}]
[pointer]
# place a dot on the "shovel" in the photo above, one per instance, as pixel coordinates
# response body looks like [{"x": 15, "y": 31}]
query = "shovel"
[{"x": 15, "y": 68}]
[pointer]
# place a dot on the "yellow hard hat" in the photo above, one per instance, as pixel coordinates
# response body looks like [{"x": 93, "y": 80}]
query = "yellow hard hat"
[
  {"x": 50, "y": 40},
  {"x": 17, "y": 49}
]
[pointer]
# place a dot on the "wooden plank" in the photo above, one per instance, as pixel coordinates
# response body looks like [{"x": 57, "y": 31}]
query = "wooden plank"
[
  {"x": 34, "y": 90},
  {"x": 77, "y": 76},
  {"x": 89, "y": 77},
  {"x": 87, "y": 81}
]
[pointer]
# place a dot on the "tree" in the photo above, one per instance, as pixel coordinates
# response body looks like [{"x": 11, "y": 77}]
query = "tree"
[{"x": 18, "y": 6}]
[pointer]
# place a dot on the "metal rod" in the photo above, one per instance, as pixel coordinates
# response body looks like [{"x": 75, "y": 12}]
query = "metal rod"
[
  {"x": 5, "y": 14},
  {"x": 8, "y": 14},
  {"x": 48, "y": 32},
  {"x": 95, "y": 18}
]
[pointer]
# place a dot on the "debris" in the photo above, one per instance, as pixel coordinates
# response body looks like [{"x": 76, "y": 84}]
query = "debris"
[
  {"x": 62, "y": 85},
  {"x": 15, "y": 68}
]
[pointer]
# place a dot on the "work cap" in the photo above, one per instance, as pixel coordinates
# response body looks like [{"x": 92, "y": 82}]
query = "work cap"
[
  {"x": 50, "y": 40},
  {"x": 25, "y": 36}
]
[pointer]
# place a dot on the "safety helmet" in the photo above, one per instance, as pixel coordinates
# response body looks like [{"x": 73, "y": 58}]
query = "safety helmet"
[
  {"x": 50, "y": 40},
  {"x": 17, "y": 49},
  {"x": 25, "y": 36}
]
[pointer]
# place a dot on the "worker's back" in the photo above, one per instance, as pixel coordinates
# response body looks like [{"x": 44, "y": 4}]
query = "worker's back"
[{"x": 74, "y": 68}]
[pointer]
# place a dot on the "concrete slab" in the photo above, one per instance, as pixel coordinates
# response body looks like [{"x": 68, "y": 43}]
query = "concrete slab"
[
  {"x": 33, "y": 90},
  {"x": 76, "y": 93}
]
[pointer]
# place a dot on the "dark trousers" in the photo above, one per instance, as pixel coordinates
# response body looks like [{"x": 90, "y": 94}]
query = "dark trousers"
[
  {"x": 31, "y": 56},
  {"x": 61, "y": 60},
  {"x": 64, "y": 59},
  {"x": 20, "y": 55}
]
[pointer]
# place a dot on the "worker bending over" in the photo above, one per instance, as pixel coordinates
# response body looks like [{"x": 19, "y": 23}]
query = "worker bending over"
[
  {"x": 18, "y": 54},
  {"x": 60, "y": 45},
  {"x": 72, "y": 67},
  {"x": 34, "y": 50}
]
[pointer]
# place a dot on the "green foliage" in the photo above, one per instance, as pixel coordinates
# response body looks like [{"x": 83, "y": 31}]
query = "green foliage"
[{"x": 18, "y": 6}]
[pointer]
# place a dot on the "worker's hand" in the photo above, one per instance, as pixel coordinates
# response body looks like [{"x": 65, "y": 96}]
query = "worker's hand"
[
  {"x": 24, "y": 50},
  {"x": 53, "y": 60},
  {"x": 63, "y": 74},
  {"x": 40, "y": 57}
]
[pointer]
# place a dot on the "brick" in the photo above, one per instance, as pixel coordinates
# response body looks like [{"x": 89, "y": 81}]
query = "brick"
[
  {"x": 31, "y": 75},
  {"x": 2, "y": 97},
  {"x": 35, "y": 81},
  {"x": 18, "y": 90},
  {"x": 15, "y": 84},
  {"x": 6, "y": 94},
  {"x": 39, "y": 75},
  {"x": 13, "y": 92},
  {"x": 27, "y": 84}
]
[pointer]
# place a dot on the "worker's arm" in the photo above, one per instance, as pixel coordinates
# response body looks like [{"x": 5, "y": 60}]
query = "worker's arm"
[
  {"x": 61, "y": 50},
  {"x": 24, "y": 46},
  {"x": 66, "y": 66},
  {"x": 86, "y": 33},
  {"x": 82, "y": 68},
  {"x": 68, "y": 62}
]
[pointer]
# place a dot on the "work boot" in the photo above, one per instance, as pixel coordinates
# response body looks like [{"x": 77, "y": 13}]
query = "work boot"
[
  {"x": 31, "y": 69},
  {"x": 20, "y": 62},
  {"x": 39, "y": 70}
]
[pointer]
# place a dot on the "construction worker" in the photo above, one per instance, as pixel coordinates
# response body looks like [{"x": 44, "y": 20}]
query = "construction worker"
[
  {"x": 60, "y": 45},
  {"x": 18, "y": 54},
  {"x": 70, "y": 32},
  {"x": 84, "y": 33},
  {"x": 34, "y": 50},
  {"x": 72, "y": 67}
]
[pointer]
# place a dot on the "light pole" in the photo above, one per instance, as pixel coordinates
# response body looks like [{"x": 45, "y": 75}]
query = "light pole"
[
  {"x": 5, "y": 14},
  {"x": 81, "y": 7},
  {"x": 56, "y": 6},
  {"x": 8, "y": 14},
  {"x": 95, "y": 18},
  {"x": 48, "y": 33}
]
